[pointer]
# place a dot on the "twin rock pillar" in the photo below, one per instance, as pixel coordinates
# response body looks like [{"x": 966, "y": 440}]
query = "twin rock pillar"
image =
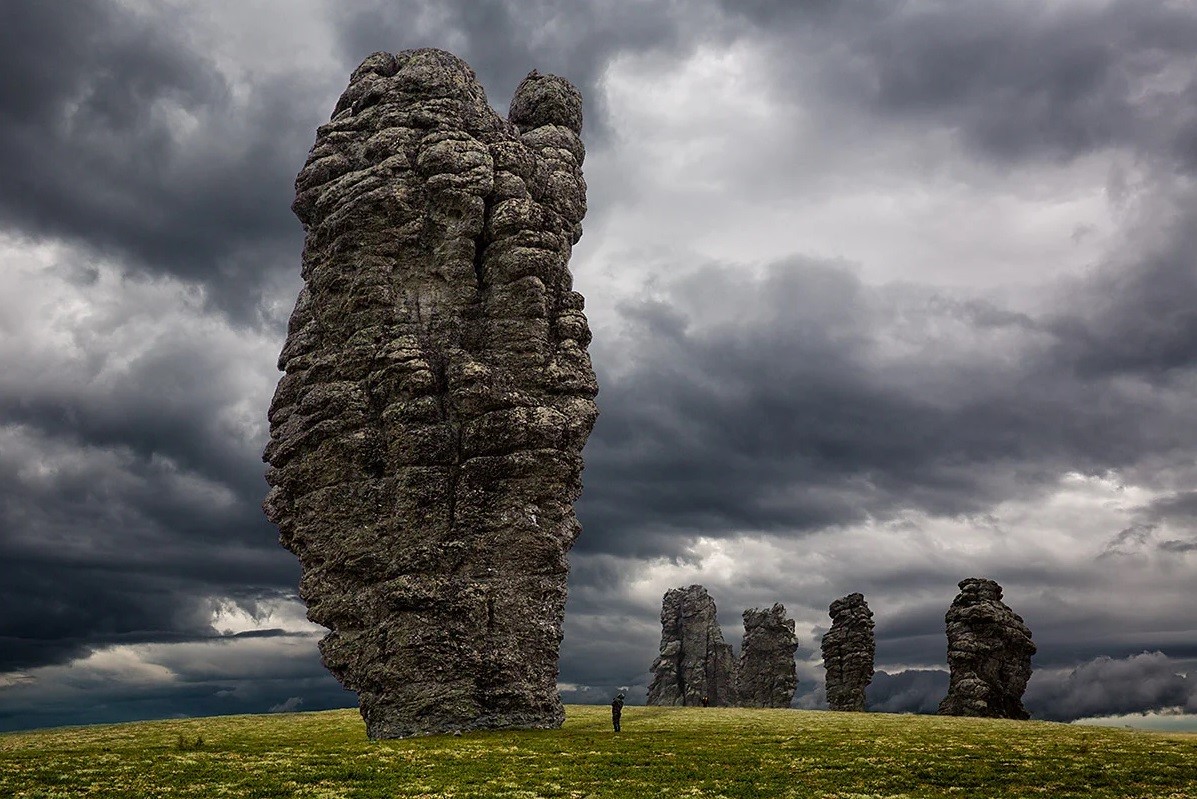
[{"x": 696, "y": 663}]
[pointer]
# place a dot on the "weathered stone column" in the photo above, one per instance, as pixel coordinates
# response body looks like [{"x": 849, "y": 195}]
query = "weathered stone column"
[
  {"x": 694, "y": 661},
  {"x": 426, "y": 438},
  {"x": 989, "y": 654},
  {"x": 767, "y": 675},
  {"x": 848, "y": 651}
]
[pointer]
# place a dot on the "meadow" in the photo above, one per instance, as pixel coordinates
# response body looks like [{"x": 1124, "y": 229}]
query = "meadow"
[{"x": 662, "y": 752}]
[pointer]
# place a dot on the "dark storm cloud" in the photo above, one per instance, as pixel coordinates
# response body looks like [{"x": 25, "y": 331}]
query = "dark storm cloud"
[
  {"x": 1137, "y": 317},
  {"x": 215, "y": 680},
  {"x": 111, "y": 546},
  {"x": 773, "y": 404},
  {"x": 1149, "y": 681},
  {"x": 1018, "y": 80},
  {"x": 1176, "y": 513},
  {"x": 1143, "y": 683},
  {"x": 911, "y": 691},
  {"x": 117, "y": 134},
  {"x": 129, "y": 487},
  {"x": 1181, "y": 506},
  {"x": 503, "y": 40}
]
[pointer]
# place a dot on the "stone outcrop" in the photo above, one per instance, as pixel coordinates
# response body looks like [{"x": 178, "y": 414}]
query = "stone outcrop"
[
  {"x": 694, "y": 660},
  {"x": 767, "y": 674},
  {"x": 426, "y": 437},
  {"x": 848, "y": 651},
  {"x": 989, "y": 654}
]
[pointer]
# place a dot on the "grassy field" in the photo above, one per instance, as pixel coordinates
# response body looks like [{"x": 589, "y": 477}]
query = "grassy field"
[{"x": 662, "y": 752}]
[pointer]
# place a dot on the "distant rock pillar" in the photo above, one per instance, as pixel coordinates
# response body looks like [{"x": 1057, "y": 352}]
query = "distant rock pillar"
[
  {"x": 989, "y": 654},
  {"x": 848, "y": 650},
  {"x": 694, "y": 660},
  {"x": 767, "y": 674}
]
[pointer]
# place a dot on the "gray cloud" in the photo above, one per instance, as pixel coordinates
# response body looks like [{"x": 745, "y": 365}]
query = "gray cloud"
[
  {"x": 1017, "y": 80},
  {"x": 137, "y": 145},
  {"x": 911, "y": 691},
  {"x": 1144, "y": 683},
  {"x": 774, "y": 404},
  {"x": 1149, "y": 681},
  {"x": 230, "y": 675},
  {"x": 504, "y": 40},
  {"x": 111, "y": 548}
]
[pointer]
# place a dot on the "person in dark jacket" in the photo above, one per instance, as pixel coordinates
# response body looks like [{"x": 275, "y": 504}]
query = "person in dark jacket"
[{"x": 616, "y": 710}]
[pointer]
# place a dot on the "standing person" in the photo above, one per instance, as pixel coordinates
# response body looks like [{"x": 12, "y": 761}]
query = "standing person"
[{"x": 616, "y": 709}]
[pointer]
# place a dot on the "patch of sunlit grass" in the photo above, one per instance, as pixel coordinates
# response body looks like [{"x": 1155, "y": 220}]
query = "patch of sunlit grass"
[{"x": 662, "y": 752}]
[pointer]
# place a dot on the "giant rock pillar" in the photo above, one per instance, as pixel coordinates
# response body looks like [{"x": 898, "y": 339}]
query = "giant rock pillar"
[{"x": 426, "y": 436}]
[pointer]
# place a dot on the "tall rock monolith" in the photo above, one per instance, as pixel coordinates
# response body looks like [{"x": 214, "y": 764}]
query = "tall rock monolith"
[
  {"x": 767, "y": 675},
  {"x": 989, "y": 654},
  {"x": 426, "y": 436},
  {"x": 848, "y": 651},
  {"x": 694, "y": 661}
]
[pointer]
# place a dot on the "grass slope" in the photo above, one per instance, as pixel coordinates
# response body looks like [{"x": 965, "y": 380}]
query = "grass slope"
[{"x": 662, "y": 752}]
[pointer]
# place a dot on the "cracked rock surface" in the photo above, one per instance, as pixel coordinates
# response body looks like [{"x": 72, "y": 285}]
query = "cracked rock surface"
[
  {"x": 694, "y": 661},
  {"x": 768, "y": 676},
  {"x": 426, "y": 436},
  {"x": 848, "y": 650},
  {"x": 989, "y": 654}
]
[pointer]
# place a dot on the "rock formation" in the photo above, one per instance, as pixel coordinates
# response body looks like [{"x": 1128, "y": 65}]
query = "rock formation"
[
  {"x": 426, "y": 438},
  {"x": 848, "y": 649},
  {"x": 767, "y": 675},
  {"x": 694, "y": 661},
  {"x": 989, "y": 654}
]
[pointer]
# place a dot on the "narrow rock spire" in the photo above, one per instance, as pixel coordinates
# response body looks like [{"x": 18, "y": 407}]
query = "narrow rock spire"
[{"x": 848, "y": 650}]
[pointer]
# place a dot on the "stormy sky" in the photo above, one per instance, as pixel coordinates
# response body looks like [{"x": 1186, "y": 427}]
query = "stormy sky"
[{"x": 884, "y": 295}]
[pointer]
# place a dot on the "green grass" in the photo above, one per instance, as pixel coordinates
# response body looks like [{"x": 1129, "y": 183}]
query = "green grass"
[{"x": 662, "y": 752}]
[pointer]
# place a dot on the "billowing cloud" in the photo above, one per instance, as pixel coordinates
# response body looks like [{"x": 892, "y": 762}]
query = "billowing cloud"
[
  {"x": 1149, "y": 681},
  {"x": 911, "y": 691}
]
